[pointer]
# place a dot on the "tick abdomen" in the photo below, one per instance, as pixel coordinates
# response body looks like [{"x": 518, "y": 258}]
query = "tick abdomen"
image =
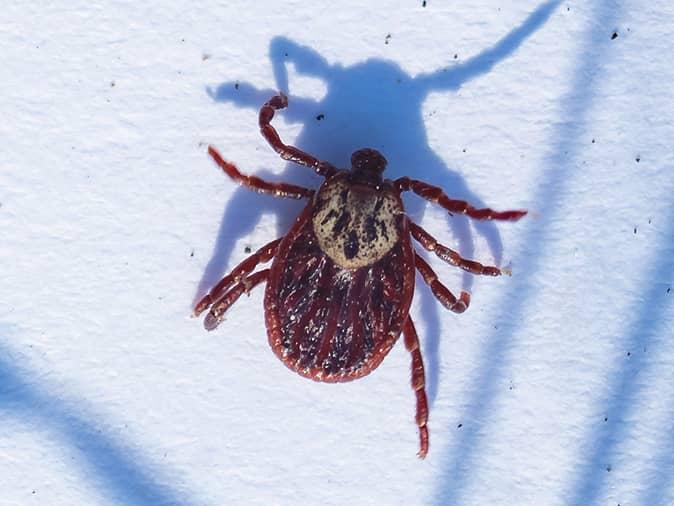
[{"x": 355, "y": 224}]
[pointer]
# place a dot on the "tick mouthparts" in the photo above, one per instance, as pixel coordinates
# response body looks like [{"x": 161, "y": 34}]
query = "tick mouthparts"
[{"x": 369, "y": 160}]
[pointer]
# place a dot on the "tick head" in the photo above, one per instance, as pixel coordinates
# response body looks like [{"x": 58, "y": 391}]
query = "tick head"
[{"x": 367, "y": 166}]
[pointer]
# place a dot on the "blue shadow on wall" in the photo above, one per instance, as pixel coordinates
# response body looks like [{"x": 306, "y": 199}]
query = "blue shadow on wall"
[
  {"x": 370, "y": 104},
  {"x": 111, "y": 466},
  {"x": 601, "y": 442}
]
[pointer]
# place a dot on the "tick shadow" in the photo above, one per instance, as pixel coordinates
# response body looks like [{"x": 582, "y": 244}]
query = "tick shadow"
[
  {"x": 113, "y": 467},
  {"x": 370, "y": 104}
]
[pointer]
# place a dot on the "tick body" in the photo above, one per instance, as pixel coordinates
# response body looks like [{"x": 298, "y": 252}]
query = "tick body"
[{"x": 341, "y": 281}]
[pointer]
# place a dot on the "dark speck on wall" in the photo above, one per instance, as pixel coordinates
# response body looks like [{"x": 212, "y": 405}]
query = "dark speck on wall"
[
  {"x": 423, "y": 4},
  {"x": 247, "y": 249},
  {"x": 614, "y": 36},
  {"x": 638, "y": 159},
  {"x": 319, "y": 117},
  {"x": 387, "y": 39},
  {"x": 236, "y": 86}
]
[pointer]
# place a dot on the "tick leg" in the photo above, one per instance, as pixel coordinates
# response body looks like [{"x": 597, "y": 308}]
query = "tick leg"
[
  {"x": 437, "y": 196},
  {"x": 418, "y": 384},
  {"x": 450, "y": 256},
  {"x": 257, "y": 184},
  {"x": 264, "y": 254},
  {"x": 287, "y": 152},
  {"x": 220, "y": 306},
  {"x": 440, "y": 291}
]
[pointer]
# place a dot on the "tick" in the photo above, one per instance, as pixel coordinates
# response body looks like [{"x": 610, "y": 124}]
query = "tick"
[{"x": 341, "y": 281}]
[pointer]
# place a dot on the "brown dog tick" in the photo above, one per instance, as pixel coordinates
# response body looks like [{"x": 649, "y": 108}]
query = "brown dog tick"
[{"x": 341, "y": 281}]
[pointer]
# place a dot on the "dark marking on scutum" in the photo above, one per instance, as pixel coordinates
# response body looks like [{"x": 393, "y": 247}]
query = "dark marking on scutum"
[
  {"x": 351, "y": 246},
  {"x": 370, "y": 229},
  {"x": 341, "y": 223},
  {"x": 344, "y": 195},
  {"x": 329, "y": 216},
  {"x": 383, "y": 228},
  {"x": 377, "y": 206}
]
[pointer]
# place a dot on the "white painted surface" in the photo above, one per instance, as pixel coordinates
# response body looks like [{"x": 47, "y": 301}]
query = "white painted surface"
[{"x": 114, "y": 220}]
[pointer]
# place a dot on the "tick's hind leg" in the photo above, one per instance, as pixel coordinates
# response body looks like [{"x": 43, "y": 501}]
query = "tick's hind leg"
[
  {"x": 264, "y": 254},
  {"x": 440, "y": 291},
  {"x": 418, "y": 384},
  {"x": 450, "y": 256},
  {"x": 288, "y": 152},
  {"x": 220, "y": 306},
  {"x": 259, "y": 185}
]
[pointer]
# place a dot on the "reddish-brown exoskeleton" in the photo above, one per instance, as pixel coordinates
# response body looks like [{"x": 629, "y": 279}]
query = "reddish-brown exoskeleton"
[{"x": 341, "y": 281}]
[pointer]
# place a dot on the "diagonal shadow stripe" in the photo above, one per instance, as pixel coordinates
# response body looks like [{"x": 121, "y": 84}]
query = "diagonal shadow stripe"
[
  {"x": 624, "y": 386},
  {"x": 549, "y": 197},
  {"x": 126, "y": 476}
]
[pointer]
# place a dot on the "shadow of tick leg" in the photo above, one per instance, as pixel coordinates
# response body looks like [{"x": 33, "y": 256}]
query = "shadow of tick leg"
[
  {"x": 264, "y": 254},
  {"x": 449, "y": 255},
  {"x": 440, "y": 291},
  {"x": 220, "y": 306},
  {"x": 418, "y": 384}
]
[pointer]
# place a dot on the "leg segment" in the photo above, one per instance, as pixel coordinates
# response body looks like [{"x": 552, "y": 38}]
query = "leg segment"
[
  {"x": 440, "y": 291},
  {"x": 217, "y": 312},
  {"x": 450, "y": 256},
  {"x": 257, "y": 184},
  {"x": 264, "y": 254},
  {"x": 287, "y": 152},
  {"x": 437, "y": 196},
  {"x": 418, "y": 384}
]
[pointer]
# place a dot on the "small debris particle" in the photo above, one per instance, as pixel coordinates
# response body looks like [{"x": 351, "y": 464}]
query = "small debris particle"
[
  {"x": 456, "y": 56},
  {"x": 669, "y": 289},
  {"x": 247, "y": 249},
  {"x": 614, "y": 36},
  {"x": 388, "y": 37},
  {"x": 192, "y": 254},
  {"x": 112, "y": 84},
  {"x": 629, "y": 353},
  {"x": 205, "y": 56},
  {"x": 638, "y": 159},
  {"x": 606, "y": 418},
  {"x": 423, "y": 4},
  {"x": 236, "y": 86},
  {"x": 320, "y": 116},
  {"x": 459, "y": 426},
  {"x": 635, "y": 230},
  {"x": 593, "y": 141},
  {"x": 464, "y": 150},
  {"x": 608, "y": 468}
]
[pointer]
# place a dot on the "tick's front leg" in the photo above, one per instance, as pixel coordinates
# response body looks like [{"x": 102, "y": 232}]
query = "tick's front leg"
[
  {"x": 286, "y": 151},
  {"x": 437, "y": 196}
]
